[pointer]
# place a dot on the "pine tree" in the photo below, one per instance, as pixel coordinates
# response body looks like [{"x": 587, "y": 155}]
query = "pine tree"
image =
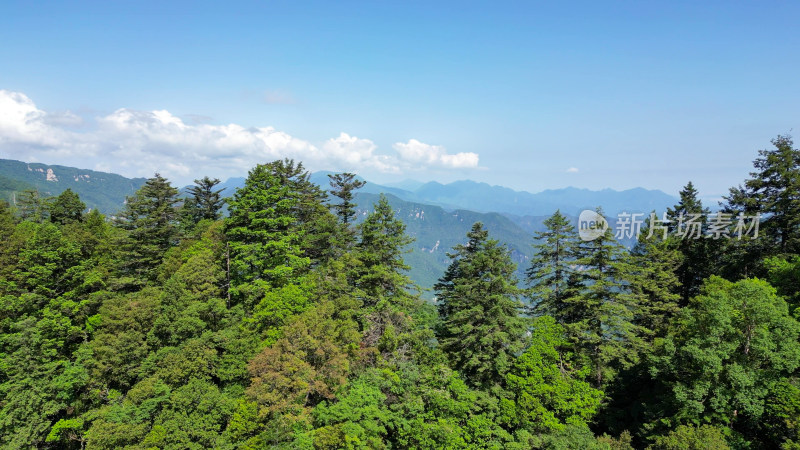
[
  {"x": 743, "y": 257},
  {"x": 151, "y": 218},
  {"x": 32, "y": 206},
  {"x": 379, "y": 274},
  {"x": 479, "y": 305},
  {"x": 342, "y": 187},
  {"x": 206, "y": 202},
  {"x": 383, "y": 241},
  {"x": 654, "y": 281},
  {"x": 321, "y": 233},
  {"x": 552, "y": 273},
  {"x": 9, "y": 251},
  {"x": 602, "y": 327},
  {"x": 687, "y": 222},
  {"x": 66, "y": 208},
  {"x": 271, "y": 226},
  {"x": 774, "y": 191},
  {"x": 6, "y": 220},
  {"x": 47, "y": 262}
]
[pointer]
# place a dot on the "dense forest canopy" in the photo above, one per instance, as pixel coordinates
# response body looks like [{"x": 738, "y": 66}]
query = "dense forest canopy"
[{"x": 287, "y": 324}]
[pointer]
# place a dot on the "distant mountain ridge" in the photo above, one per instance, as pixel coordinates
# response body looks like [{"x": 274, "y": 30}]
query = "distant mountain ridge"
[
  {"x": 101, "y": 190},
  {"x": 482, "y": 197},
  {"x": 436, "y": 215}
]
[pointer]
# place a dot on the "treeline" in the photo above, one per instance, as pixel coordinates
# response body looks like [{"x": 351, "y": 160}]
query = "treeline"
[{"x": 288, "y": 324}]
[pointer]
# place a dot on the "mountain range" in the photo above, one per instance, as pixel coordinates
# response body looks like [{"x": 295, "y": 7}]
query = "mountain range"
[
  {"x": 101, "y": 190},
  {"x": 482, "y": 197},
  {"x": 436, "y": 215}
]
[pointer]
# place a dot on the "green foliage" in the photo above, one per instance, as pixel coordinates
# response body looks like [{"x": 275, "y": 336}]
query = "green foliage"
[
  {"x": 193, "y": 417},
  {"x": 654, "y": 282},
  {"x": 43, "y": 323},
  {"x": 342, "y": 187},
  {"x": 688, "y": 225},
  {"x": 357, "y": 420},
  {"x": 120, "y": 344},
  {"x": 724, "y": 355},
  {"x": 548, "y": 390},
  {"x": 436, "y": 230},
  {"x": 411, "y": 407},
  {"x": 285, "y": 327},
  {"x": 784, "y": 275},
  {"x": 279, "y": 305},
  {"x": 595, "y": 290},
  {"x": 551, "y": 274},
  {"x": 37, "y": 379},
  {"x": 6, "y": 220},
  {"x": 49, "y": 263},
  {"x": 151, "y": 219},
  {"x": 774, "y": 191},
  {"x": 67, "y": 208},
  {"x": 205, "y": 202},
  {"x": 266, "y": 229},
  {"x": 571, "y": 437},
  {"x": 66, "y": 431},
  {"x": 308, "y": 364},
  {"x": 782, "y": 414},
  {"x": 380, "y": 251},
  {"x": 479, "y": 305},
  {"x": 601, "y": 316},
  {"x": 32, "y": 206},
  {"x": 687, "y": 437}
]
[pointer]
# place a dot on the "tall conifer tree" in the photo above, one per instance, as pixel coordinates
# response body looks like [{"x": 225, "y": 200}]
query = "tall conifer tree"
[
  {"x": 687, "y": 224},
  {"x": 774, "y": 191},
  {"x": 342, "y": 187},
  {"x": 151, "y": 218},
  {"x": 383, "y": 241},
  {"x": 67, "y": 207},
  {"x": 479, "y": 305},
  {"x": 271, "y": 228},
  {"x": 206, "y": 202},
  {"x": 602, "y": 327},
  {"x": 31, "y": 206},
  {"x": 552, "y": 272},
  {"x": 654, "y": 281}
]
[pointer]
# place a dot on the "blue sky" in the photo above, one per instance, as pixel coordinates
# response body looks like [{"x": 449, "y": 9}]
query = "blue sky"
[{"x": 530, "y": 96}]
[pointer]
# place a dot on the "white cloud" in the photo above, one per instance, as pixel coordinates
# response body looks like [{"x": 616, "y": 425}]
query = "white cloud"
[
  {"x": 139, "y": 143},
  {"x": 417, "y": 152},
  {"x": 572, "y": 170},
  {"x": 22, "y": 122},
  {"x": 355, "y": 152}
]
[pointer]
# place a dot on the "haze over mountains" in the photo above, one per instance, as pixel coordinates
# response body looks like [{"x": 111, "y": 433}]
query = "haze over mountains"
[
  {"x": 482, "y": 197},
  {"x": 436, "y": 215}
]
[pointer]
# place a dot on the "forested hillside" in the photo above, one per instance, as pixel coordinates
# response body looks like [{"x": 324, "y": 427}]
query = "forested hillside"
[
  {"x": 436, "y": 231},
  {"x": 292, "y": 323},
  {"x": 101, "y": 190}
]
